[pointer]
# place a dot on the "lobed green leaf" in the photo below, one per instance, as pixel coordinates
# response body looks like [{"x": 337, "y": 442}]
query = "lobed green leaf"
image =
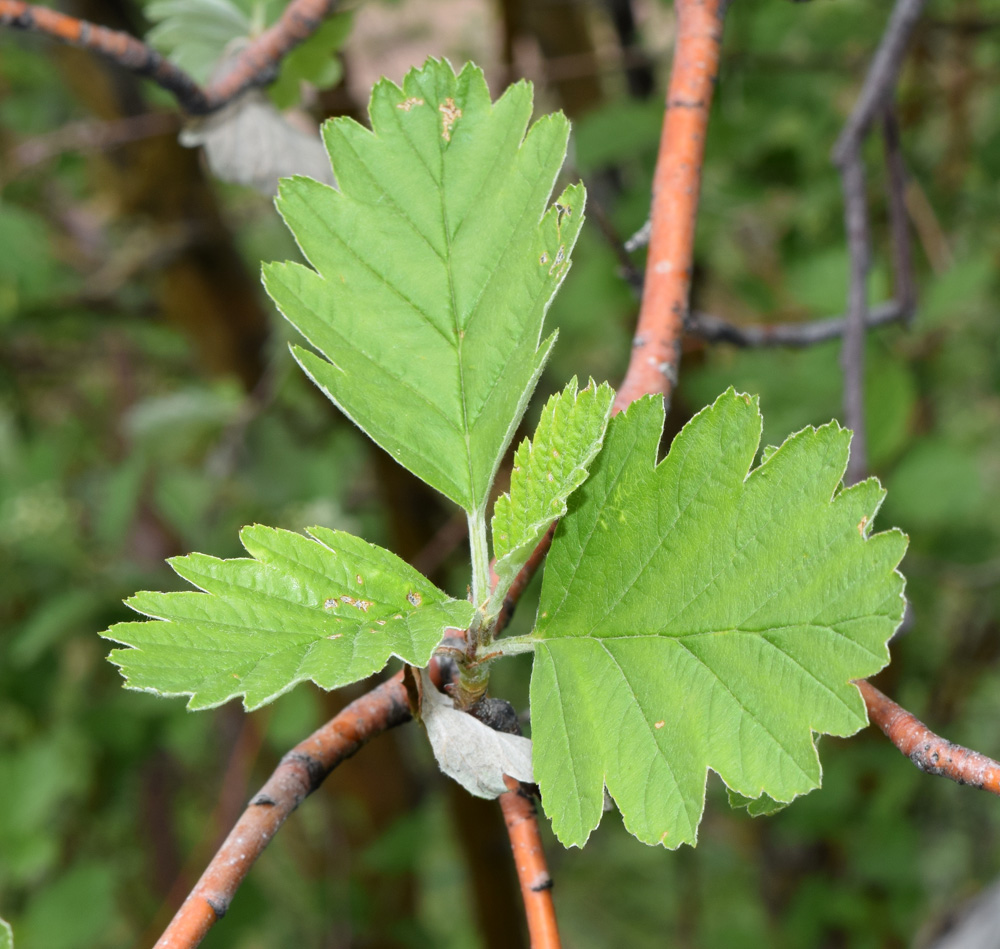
[
  {"x": 696, "y": 614},
  {"x": 331, "y": 608},
  {"x": 433, "y": 267}
]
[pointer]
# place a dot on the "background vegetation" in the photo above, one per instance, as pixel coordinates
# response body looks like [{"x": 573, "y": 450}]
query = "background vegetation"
[{"x": 149, "y": 408}]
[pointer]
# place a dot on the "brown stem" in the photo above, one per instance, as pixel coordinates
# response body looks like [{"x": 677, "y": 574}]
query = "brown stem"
[
  {"x": 521, "y": 818},
  {"x": 300, "y": 772},
  {"x": 655, "y": 359},
  {"x": 256, "y": 65},
  {"x": 929, "y": 752}
]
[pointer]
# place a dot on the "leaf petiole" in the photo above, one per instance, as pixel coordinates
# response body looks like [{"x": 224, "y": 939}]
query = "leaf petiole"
[
  {"x": 514, "y": 646},
  {"x": 480, "y": 558}
]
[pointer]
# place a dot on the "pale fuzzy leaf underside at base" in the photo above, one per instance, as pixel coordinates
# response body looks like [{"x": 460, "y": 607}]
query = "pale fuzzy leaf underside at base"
[
  {"x": 432, "y": 270},
  {"x": 6, "y": 935},
  {"x": 548, "y": 468},
  {"x": 330, "y": 608},
  {"x": 470, "y": 752},
  {"x": 697, "y": 615}
]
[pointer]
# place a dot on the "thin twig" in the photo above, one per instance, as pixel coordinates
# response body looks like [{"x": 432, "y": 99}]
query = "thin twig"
[
  {"x": 87, "y": 135},
  {"x": 655, "y": 359},
  {"x": 521, "y": 817},
  {"x": 714, "y": 329},
  {"x": 880, "y": 82},
  {"x": 905, "y": 290},
  {"x": 852, "y": 355},
  {"x": 929, "y": 752},
  {"x": 873, "y": 101},
  {"x": 300, "y": 772},
  {"x": 256, "y": 65}
]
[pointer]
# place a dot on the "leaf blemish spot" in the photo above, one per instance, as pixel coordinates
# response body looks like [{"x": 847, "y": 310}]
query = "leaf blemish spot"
[
  {"x": 450, "y": 114},
  {"x": 659, "y": 724},
  {"x": 335, "y": 636},
  {"x": 544, "y": 259},
  {"x": 358, "y": 578},
  {"x": 363, "y": 605},
  {"x": 560, "y": 257},
  {"x": 330, "y": 604},
  {"x": 415, "y": 598},
  {"x": 408, "y": 104},
  {"x": 349, "y": 600},
  {"x": 862, "y": 524}
]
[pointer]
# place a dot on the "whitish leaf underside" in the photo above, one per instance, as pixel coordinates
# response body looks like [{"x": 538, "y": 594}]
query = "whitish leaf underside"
[
  {"x": 432, "y": 269},
  {"x": 696, "y": 615},
  {"x": 330, "y": 608},
  {"x": 470, "y": 752}
]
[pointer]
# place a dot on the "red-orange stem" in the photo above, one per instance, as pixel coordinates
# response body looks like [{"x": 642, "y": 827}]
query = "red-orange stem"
[
  {"x": 256, "y": 65},
  {"x": 655, "y": 358},
  {"x": 301, "y": 771},
  {"x": 521, "y": 818},
  {"x": 929, "y": 752}
]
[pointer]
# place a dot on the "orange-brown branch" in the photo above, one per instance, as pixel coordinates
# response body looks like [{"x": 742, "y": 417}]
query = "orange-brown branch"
[
  {"x": 929, "y": 752},
  {"x": 655, "y": 357},
  {"x": 521, "y": 818},
  {"x": 301, "y": 771},
  {"x": 256, "y": 65}
]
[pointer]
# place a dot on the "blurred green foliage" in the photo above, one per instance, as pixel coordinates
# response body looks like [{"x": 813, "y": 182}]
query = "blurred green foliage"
[{"x": 118, "y": 449}]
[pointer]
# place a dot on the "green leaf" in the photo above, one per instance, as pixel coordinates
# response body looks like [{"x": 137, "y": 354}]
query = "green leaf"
[
  {"x": 434, "y": 266},
  {"x": 332, "y": 609},
  {"x": 762, "y": 806},
  {"x": 547, "y": 470},
  {"x": 195, "y": 33},
  {"x": 314, "y": 61},
  {"x": 695, "y": 616}
]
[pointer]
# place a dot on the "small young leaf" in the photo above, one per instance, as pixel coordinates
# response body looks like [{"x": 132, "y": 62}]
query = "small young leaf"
[
  {"x": 332, "y": 609},
  {"x": 434, "y": 266},
  {"x": 696, "y": 615},
  {"x": 762, "y": 806},
  {"x": 196, "y": 33},
  {"x": 313, "y": 61},
  {"x": 547, "y": 470},
  {"x": 470, "y": 752}
]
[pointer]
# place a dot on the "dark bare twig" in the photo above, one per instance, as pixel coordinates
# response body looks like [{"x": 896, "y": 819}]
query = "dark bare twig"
[
  {"x": 905, "y": 289},
  {"x": 874, "y": 100},
  {"x": 852, "y": 355},
  {"x": 714, "y": 329},
  {"x": 86, "y": 135},
  {"x": 256, "y": 65}
]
